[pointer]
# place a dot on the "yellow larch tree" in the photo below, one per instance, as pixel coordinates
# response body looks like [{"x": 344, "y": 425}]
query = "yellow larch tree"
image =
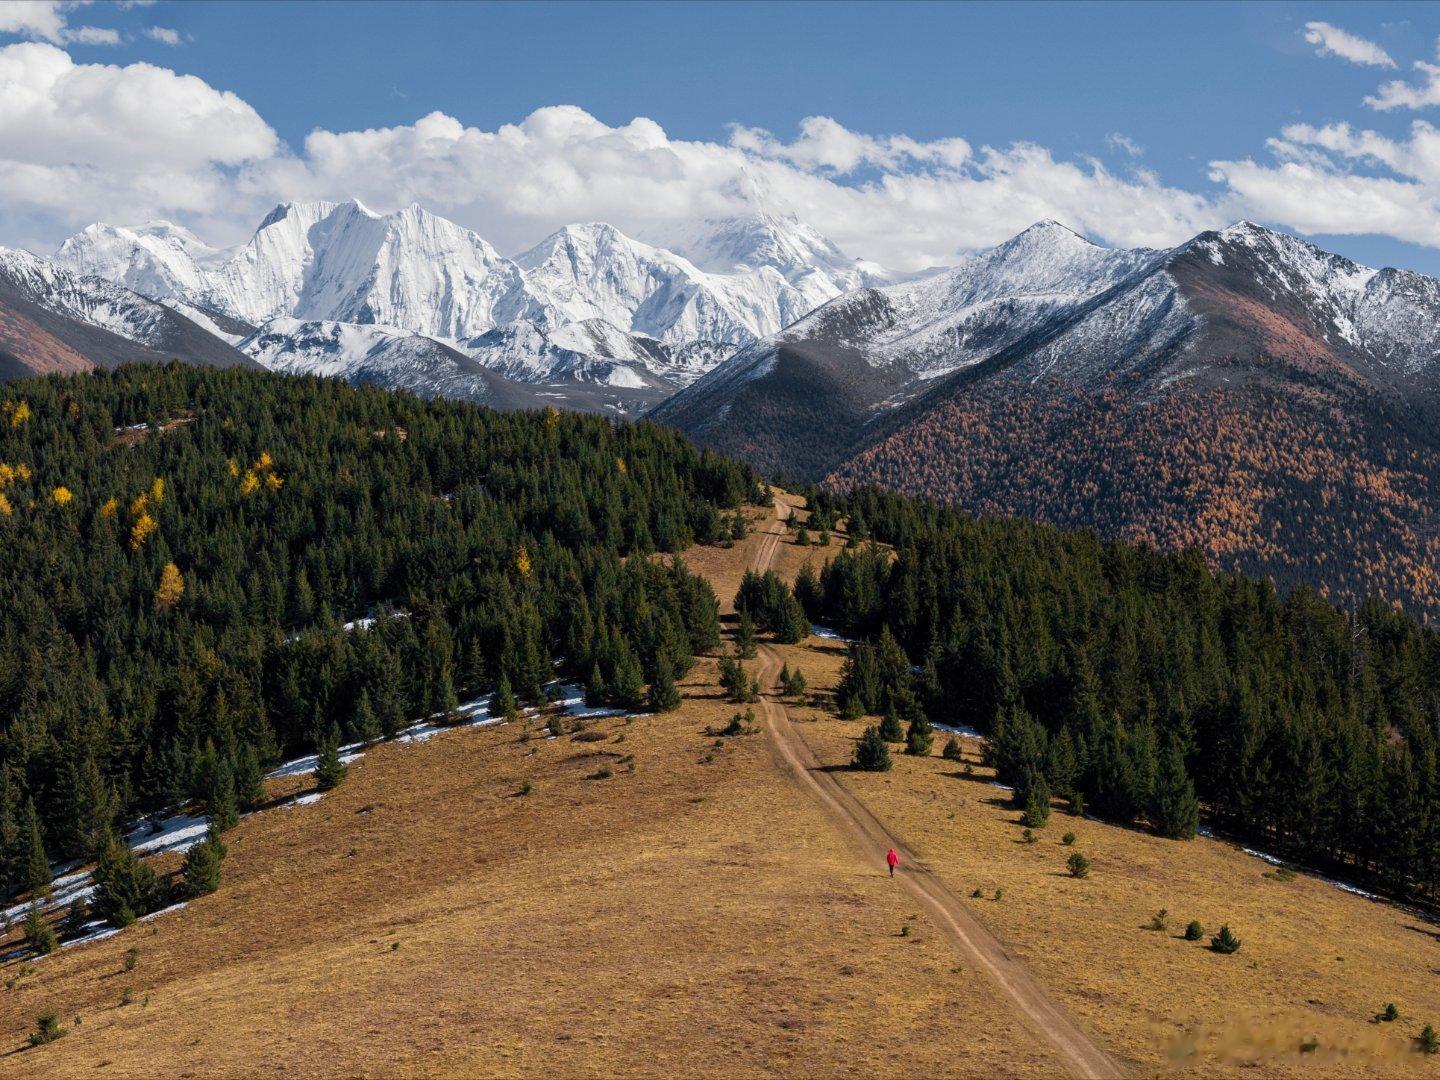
[{"x": 171, "y": 588}]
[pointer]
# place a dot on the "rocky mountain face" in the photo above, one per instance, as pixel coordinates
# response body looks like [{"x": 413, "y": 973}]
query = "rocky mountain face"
[
  {"x": 1245, "y": 393},
  {"x": 586, "y": 308},
  {"x": 54, "y": 321}
]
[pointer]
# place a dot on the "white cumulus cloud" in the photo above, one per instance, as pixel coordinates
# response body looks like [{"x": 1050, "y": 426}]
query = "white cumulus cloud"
[
  {"x": 126, "y": 144},
  {"x": 1333, "y": 41},
  {"x": 49, "y": 20}
]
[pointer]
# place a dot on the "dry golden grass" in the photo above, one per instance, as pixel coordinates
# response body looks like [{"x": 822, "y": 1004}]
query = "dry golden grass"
[
  {"x": 694, "y": 916},
  {"x": 1316, "y": 962}
]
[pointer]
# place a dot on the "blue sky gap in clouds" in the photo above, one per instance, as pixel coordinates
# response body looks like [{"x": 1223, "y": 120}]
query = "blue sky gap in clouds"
[{"x": 946, "y": 126}]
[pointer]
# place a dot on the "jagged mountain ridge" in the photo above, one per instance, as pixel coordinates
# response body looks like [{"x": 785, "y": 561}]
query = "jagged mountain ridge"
[{"x": 340, "y": 262}]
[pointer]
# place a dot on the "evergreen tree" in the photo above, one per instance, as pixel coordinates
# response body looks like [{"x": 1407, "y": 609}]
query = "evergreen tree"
[
  {"x": 39, "y": 934},
  {"x": 503, "y": 703},
  {"x": 1175, "y": 812},
  {"x": 125, "y": 886},
  {"x": 329, "y": 769},
  {"x": 627, "y": 687},
  {"x": 920, "y": 737},
  {"x": 223, "y": 804},
  {"x": 365, "y": 723},
  {"x": 890, "y": 729},
  {"x": 664, "y": 695},
  {"x": 872, "y": 752},
  {"x": 200, "y": 873},
  {"x": 745, "y": 645},
  {"x": 32, "y": 865},
  {"x": 1037, "y": 803},
  {"x": 249, "y": 779},
  {"x": 89, "y": 812}
]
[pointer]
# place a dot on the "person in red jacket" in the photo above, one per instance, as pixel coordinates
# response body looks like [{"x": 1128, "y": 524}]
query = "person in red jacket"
[{"x": 892, "y": 860}]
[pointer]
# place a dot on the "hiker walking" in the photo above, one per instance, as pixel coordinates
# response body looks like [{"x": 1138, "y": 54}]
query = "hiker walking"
[{"x": 892, "y": 860}]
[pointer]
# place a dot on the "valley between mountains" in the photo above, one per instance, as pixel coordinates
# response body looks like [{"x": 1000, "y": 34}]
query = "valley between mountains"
[{"x": 639, "y": 897}]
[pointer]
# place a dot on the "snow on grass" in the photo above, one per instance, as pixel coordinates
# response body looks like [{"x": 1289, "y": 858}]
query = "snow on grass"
[
  {"x": 958, "y": 729},
  {"x": 179, "y": 833},
  {"x": 303, "y": 766},
  {"x": 828, "y": 634}
]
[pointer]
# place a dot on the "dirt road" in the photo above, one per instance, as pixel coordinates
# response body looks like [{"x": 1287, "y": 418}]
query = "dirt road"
[{"x": 872, "y": 839}]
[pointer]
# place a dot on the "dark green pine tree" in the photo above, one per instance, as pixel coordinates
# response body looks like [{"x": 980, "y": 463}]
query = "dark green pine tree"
[
  {"x": 1175, "y": 812},
  {"x": 920, "y": 736},
  {"x": 125, "y": 886},
  {"x": 664, "y": 694},
  {"x": 1037, "y": 803},
  {"x": 32, "y": 865},
  {"x": 596, "y": 692},
  {"x": 890, "y": 729},
  {"x": 249, "y": 779},
  {"x": 223, "y": 803},
  {"x": 503, "y": 704},
  {"x": 365, "y": 724},
  {"x": 627, "y": 687},
  {"x": 745, "y": 645},
  {"x": 329, "y": 769},
  {"x": 89, "y": 812},
  {"x": 200, "y": 873},
  {"x": 872, "y": 752}
]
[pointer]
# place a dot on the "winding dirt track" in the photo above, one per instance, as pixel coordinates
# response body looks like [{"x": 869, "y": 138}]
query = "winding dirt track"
[{"x": 872, "y": 839}]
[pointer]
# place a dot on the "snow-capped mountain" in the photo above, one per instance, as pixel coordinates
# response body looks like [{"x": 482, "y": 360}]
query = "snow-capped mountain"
[
  {"x": 587, "y": 303},
  {"x": 37, "y": 294},
  {"x": 1049, "y": 304}
]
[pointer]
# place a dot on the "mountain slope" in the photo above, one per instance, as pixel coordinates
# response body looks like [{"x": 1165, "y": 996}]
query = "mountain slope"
[
  {"x": 54, "y": 321},
  {"x": 1245, "y": 393}
]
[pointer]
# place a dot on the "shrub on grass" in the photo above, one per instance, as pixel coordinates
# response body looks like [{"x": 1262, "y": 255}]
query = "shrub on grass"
[
  {"x": 872, "y": 754},
  {"x": 890, "y": 729},
  {"x": 952, "y": 751},
  {"x": 1029, "y": 837},
  {"x": 1077, "y": 804},
  {"x": 851, "y": 709},
  {"x": 1078, "y": 865},
  {"x": 526, "y": 788},
  {"x": 977, "y": 894},
  {"x": 1387, "y": 1015},
  {"x": 1428, "y": 1041},
  {"x": 132, "y": 957},
  {"x": 47, "y": 1029},
  {"x": 1068, "y": 839},
  {"x": 1225, "y": 941},
  {"x": 1194, "y": 931},
  {"x": 1158, "y": 920}
]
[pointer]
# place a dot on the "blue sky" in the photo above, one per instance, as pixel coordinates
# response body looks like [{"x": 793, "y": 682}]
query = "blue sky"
[{"x": 1155, "y": 94}]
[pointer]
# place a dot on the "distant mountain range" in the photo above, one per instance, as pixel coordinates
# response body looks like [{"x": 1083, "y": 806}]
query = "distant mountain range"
[
  {"x": 596, "y": 318},
  {"x": 1245, "y": 393}
]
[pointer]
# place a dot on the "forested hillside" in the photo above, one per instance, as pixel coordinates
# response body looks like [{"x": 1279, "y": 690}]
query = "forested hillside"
[
  {"x": 1135, "y": 683},
  {"x": 204, "y": 570}
]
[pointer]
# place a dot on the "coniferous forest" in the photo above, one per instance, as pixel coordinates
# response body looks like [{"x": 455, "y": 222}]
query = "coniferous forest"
[
  {"x": 183, "y": 549},
  {"x": 1141, "y": 686}
]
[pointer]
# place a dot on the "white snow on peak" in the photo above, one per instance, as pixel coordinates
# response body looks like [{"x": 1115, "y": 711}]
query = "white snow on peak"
[{"x": 326, "y": 262}]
